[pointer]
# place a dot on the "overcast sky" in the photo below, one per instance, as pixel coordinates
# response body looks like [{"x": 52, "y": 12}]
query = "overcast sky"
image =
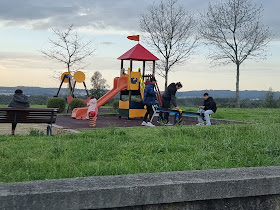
[{"x": 25, "y": 27}]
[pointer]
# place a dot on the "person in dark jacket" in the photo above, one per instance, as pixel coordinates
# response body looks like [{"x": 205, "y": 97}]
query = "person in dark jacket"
[
  {"x": 168, "y": 97},
  {"x": 149, "y": 101},
  {"x": 209, "y": 107},
  {"x": 19, "y": 100}
]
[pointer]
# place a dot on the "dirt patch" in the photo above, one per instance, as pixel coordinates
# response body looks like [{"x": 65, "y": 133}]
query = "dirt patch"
[{"x": 24, "y": 129}]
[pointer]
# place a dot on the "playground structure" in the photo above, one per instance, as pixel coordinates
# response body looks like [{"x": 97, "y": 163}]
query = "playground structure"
[
  {"x": 130, "y": 83},
  {"x": 79, "y": 77},
  {"x": 136, "y": 85},
  {"x": 66, "y": 77}
]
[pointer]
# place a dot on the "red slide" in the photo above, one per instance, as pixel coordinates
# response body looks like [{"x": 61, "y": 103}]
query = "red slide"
[{"x": 120, "y": 83}]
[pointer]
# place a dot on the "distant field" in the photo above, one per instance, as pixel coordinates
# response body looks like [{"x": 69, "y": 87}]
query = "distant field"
[{"x": 256, "y": 115}]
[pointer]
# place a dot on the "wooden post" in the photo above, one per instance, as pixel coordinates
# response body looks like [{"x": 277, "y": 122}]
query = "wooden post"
[
  {"x": 129, "y": 96},
  {"x": 121, "y": 67},
  {"x": 130, "y": 65},
  {"x": 154, "y": 68},
  {"x": 144, "y": 66}
]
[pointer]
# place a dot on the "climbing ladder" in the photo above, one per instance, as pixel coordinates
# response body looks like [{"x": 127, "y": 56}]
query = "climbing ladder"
[{"x": 159, "y": 96}]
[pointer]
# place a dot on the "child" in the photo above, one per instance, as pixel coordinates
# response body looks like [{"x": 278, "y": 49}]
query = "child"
[
  {"x": 92, "y": 108},
  {"x": 149, "y": 101}
]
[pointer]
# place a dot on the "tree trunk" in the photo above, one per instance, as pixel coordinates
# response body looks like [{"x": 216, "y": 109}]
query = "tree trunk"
[
  {"x": 165, "y": 83},
  {"x": 166, "y": 74},
  {"x": 70, "y": 80},
  {"x": 237, "y": 86}
]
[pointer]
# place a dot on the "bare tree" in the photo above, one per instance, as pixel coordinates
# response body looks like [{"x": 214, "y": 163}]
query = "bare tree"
[
  {"x": 170, "y": 29},
  {"x": 68, "y": 49},
  {"x": 234, "y": 28}
]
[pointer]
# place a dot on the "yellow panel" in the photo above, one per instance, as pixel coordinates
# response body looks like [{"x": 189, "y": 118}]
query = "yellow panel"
[
  {"x": 137, "y": 113},
  {"x": 79, "y": 76},
  {"x": 142, "y": 86},
  {"x": 134, "y": 82},
  {"x": 124, "y": 104},
  {"x": 66, "y": 79}
]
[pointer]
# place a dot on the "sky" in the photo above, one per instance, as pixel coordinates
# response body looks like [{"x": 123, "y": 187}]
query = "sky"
[{"x": 26, "y": 26}]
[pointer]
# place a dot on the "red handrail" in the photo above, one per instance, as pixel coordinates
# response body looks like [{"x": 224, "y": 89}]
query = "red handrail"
[{"x": 159, "y": 97}]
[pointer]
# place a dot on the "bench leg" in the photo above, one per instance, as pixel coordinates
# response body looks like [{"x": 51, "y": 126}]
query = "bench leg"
[
  {"x": 14, "y": 125},
  {"x": 49, "y": 130}
]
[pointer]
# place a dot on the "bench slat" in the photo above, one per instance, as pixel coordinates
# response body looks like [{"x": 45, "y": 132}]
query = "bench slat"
[{"x": 28, "y": 115}]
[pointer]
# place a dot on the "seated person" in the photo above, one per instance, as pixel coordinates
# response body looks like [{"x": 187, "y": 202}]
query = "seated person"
[
  {"x": 19, "y": 100},
  {"x": 209, "y": 107},
  {"x": 92, "y": 108}
]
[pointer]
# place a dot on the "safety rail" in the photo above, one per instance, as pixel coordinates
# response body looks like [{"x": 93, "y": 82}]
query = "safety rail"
[{"x": 159, "y": 96}]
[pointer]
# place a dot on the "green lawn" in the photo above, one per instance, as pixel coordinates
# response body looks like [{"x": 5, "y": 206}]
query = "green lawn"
[
  {"x": 145, "y": 150},
  {"x": 256, "y": 115},
  {"x": 138, "y": 150}
]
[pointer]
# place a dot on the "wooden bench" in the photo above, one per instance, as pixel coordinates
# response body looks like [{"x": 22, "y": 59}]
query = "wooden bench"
[{"x": 29, "y": 115}]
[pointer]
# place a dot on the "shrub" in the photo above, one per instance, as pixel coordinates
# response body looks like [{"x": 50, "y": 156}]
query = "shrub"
[
  {"x": 58, "y": 103},
  {"x": 116, "y": 104},
  {"x": 77, "y": 103},
  {"x": 35, "y": 132}
]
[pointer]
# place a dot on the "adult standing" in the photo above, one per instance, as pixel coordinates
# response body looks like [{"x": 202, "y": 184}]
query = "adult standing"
[
  {"x": 168, "y": 97},
  {"x": 149, "y": 101}
]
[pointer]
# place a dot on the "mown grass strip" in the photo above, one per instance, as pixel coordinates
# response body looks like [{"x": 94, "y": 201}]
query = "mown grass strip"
[{"x": 115, "y": 151}]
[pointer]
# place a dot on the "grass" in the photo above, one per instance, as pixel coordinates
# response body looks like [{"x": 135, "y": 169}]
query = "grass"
[
  {"x": 115, "y": 151},
  {"x": 256, "y": 115}
]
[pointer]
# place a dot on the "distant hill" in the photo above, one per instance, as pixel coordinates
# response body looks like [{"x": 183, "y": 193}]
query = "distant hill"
[
  {"x": 35, "y": 91},
  {"x": 247, "y": 94}
]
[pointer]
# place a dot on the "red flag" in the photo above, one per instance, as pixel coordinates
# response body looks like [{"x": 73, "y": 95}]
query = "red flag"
[{"x": 134, "y": 37}]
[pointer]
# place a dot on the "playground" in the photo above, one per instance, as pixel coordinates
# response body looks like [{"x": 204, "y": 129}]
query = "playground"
[{"x": 130, "y": 85}]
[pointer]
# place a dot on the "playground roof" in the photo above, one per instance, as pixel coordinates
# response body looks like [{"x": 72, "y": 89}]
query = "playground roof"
[{"x": 138, "y": 53}]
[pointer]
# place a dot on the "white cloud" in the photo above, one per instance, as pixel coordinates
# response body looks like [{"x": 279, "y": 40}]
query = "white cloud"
[{"x": 99, "y": 15}]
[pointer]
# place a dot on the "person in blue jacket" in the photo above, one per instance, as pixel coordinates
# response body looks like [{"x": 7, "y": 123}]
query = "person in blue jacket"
[{"x": 149, "y": 101}]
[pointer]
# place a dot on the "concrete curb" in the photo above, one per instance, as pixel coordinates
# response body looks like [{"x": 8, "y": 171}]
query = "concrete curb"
[
  {"x": 141, "y": 189},
  {"x": 65, "y": 129}
]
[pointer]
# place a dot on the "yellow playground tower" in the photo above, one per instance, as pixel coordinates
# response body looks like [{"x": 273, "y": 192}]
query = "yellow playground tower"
[{"x": 135, "y": 82}]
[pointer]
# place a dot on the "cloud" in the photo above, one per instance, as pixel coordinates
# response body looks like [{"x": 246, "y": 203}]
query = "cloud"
[
  {"x": 100, "y": 15},
  {"x": 46, "y": 14}
]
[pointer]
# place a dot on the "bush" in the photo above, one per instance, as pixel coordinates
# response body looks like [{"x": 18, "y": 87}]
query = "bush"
[
  {"x": 35, "y": 132},
  {"x": 58, "y": 103},
  {"x": 116, "y": 104},
  {"x": 77, "y": 103}
]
